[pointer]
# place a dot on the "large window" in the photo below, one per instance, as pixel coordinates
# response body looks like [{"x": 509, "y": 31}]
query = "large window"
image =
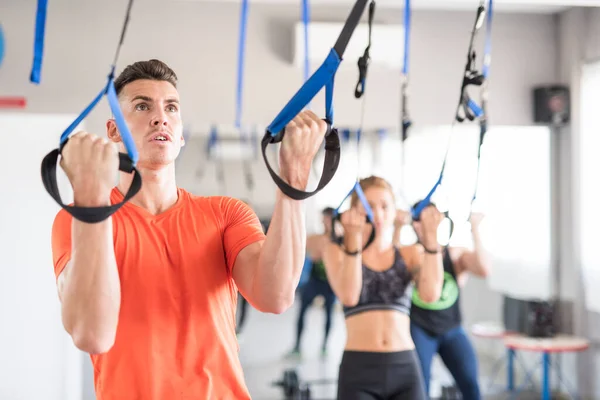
[
  {"x": 514, "y": 192},
  {"x": 589, "y": 165}
]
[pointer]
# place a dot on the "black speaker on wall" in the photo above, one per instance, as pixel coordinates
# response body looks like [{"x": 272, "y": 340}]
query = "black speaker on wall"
[{"x": 552, "y": 105}]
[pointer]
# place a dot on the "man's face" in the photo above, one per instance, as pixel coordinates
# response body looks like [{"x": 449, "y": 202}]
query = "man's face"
[{"x": 151, "y": 110}]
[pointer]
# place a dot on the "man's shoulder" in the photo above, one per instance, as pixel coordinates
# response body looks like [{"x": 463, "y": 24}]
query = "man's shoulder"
[{"x": 209, "y": 201}]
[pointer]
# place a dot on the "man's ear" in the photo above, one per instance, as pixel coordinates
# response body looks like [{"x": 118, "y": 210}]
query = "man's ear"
[
  {"x": 182, "y": 140},
  {"x": 112, "y": 132}
]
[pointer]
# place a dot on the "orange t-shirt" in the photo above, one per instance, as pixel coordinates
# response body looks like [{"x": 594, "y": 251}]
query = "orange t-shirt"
[{"x": 176, "y": 333}]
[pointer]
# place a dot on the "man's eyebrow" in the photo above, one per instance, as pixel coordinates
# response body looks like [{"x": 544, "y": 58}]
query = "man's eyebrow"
[
  {"x": 150, "y": 100},
  {"x": 141, "y": 97}
]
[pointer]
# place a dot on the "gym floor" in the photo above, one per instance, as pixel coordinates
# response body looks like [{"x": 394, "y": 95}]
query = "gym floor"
[{"x": 267, "y": 339}]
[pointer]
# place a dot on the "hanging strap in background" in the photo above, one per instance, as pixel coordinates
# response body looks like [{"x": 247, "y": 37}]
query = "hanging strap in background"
[
  {"x": 323, "y": 77},
  {"x": 364, "y": 60},
  {"x": 38, "y": 45},
  {"x": 485, "y": 71},
  {"x": 466, "y": 104},
  {"x": 127, "y": 162},
  {"x": 467, "y": 107},
  {"x": 405, "y": 121},
  {"x": 359, "y": 92},
  {"x": 241, "y": 61}
]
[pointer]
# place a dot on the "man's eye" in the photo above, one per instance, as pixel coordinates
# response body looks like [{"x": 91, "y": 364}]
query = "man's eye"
[{"x": 141, "y": 107}]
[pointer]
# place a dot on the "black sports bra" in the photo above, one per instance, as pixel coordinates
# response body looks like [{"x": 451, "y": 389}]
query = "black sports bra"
[{"x": 385, "y": 290}]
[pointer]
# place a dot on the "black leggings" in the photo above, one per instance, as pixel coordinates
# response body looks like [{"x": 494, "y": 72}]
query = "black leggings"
[{"x": 380, "y": 376}]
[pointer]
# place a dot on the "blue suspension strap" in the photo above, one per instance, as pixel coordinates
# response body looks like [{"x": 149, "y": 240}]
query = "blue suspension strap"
[
  {"x": 467, "y": 108},
  {"x": 323, "y": 77},
  {"x": 240, "y": 66},
  {"x": 239, "y": 96},
  {"x": 405, "y": 121},
  {"x": 363, "y": 61},
  {"x": 127, "y": 162},
  {"x": 38, "y": 45},
  {"x": 363, "y": 64},
  {"x": 485, "y": 70}
]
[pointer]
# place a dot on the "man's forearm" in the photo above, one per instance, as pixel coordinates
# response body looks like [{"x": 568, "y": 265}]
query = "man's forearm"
[
  {"x": 90, "y": 288},
  {"x": 282, "y": 256}
]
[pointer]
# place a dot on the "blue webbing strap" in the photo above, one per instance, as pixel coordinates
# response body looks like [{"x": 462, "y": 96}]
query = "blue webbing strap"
[
  {"x": 467, "y": 107},
  {"x": 471, "y": 109},
  {"x": 127, "y": 162},
  {"x": 241, "y": 59},
  {"x": 485, "y": 71},
  {"x": 322, "y": 77},
  {"x": 363, "y": 64},
  {"x": 405, "y": 121},
  {"x": 38, "y": 45}
]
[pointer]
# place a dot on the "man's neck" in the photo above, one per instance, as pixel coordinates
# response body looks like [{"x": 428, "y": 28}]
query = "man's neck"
[{"x": 158, "y": 192}]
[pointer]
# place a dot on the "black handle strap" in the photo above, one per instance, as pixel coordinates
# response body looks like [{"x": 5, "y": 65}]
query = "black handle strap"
[
  {"x": 364, "y": 60},
  {"x": 330, "y": 165},
  {"x": 339, "y": 240},
  {"x": 88, "y": 214}
]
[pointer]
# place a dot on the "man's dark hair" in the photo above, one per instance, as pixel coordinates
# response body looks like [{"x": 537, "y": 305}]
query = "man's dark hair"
[
  {"x": 153, "y": 70},
  {"x": 328, "y": 211}
]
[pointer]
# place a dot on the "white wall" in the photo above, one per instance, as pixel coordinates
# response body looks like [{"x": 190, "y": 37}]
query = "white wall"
[
  {"x": 37, "y": 357},
  {"x": 578, "y": 43}
]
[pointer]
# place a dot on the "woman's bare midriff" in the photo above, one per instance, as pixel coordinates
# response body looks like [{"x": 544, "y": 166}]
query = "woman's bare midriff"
[{"x": 378, "y": 331}]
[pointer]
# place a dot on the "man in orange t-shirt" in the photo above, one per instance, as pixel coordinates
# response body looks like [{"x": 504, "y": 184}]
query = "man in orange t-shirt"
[{"x": 151, "y": 291}]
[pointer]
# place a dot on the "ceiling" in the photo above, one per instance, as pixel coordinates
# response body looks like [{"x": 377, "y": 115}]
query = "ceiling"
[{"x": 549, "y": 6}]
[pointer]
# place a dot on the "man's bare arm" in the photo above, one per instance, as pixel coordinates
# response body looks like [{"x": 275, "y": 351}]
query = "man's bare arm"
[
  {"x": 89, "y": 288},
  {"x": 267, "y": 273}
]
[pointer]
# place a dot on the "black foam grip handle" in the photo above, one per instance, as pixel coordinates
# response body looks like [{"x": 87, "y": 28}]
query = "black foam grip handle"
[
  {"x": 339, "y": 240},
  {"x": 330, "y": 164},
  {"x": 84, "y": 214}
]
